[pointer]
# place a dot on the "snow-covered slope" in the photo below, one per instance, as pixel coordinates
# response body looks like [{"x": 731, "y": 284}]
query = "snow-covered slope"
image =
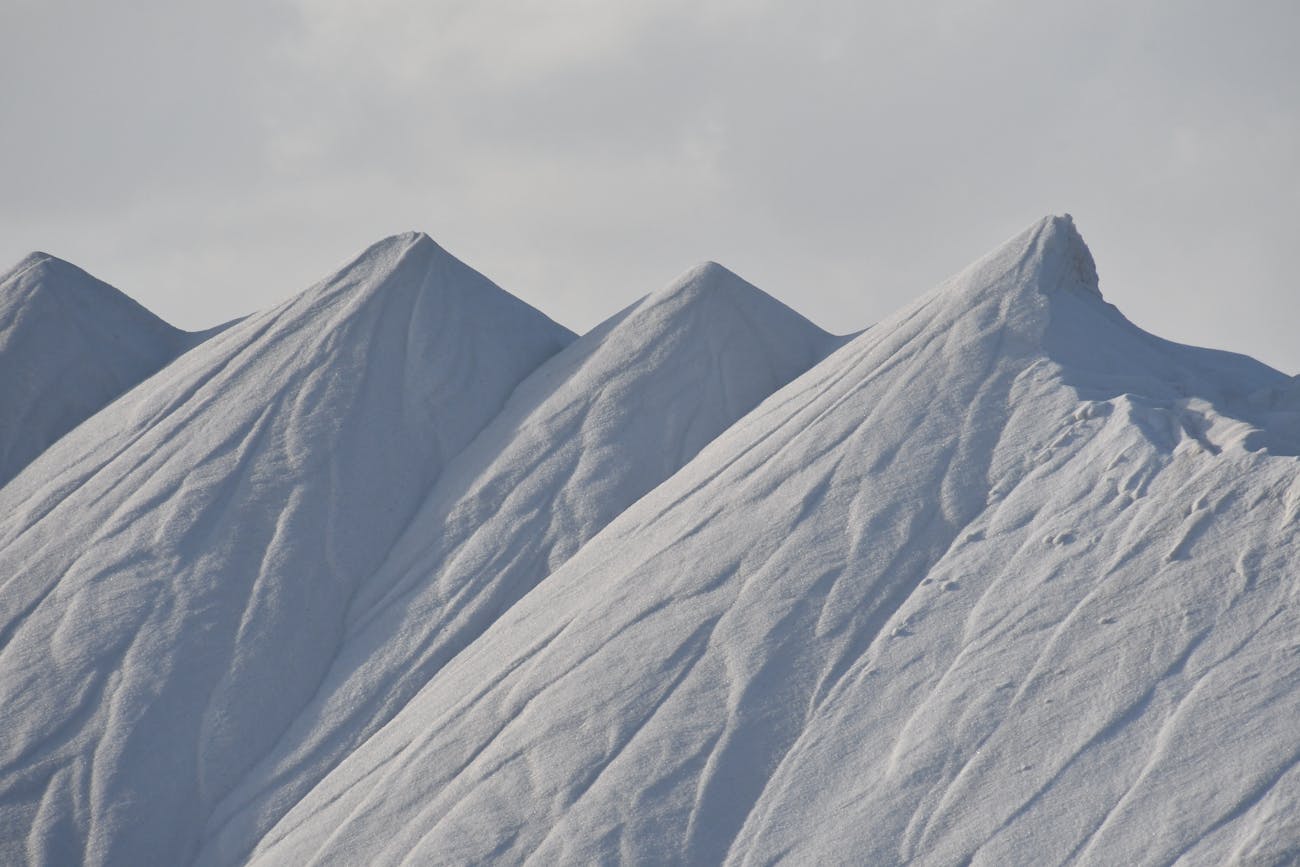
[
  {"x": 1003, "y": 580},
  {"x": 69, "y": 344},
  {"x": 584, "y": 437},
  {"x": 177, "y": 570}
]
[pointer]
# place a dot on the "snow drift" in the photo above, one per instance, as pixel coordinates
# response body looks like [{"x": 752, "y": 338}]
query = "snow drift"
[{"x": 397, "y": 572}]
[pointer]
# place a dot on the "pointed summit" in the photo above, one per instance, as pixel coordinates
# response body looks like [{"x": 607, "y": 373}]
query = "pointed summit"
[
  {"x": 69, "y": 344},
  {"x": 713, "y": 304},
  {"x": 715, "y": 293},
  {"x": 447, "y": 305},
  {"x": 35, "y": 259},
  {"x": 44, "y": 285},
  {"x": 1049, "y": 258},
  {"x": 1082, "y": 265},
  {"x": 593, "y": 430},
  {"x": 238, "y": 504},
  {"x": 707, "y": 277},
  {"x": 411, "y": 263}
]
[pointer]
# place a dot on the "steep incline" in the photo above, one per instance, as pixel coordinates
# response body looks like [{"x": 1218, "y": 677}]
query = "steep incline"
[
  {"x": 177, "y": 571},
  {"x": 69, "y": 344},
  {"x": 1004, "y": 574},
  {"x": 583, "y": 438}
]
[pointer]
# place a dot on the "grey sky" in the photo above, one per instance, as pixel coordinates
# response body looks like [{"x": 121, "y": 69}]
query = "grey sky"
[{"x": 211, "y": 159}]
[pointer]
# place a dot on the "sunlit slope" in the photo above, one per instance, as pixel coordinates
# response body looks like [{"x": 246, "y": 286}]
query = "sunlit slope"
[
  {"x": 1003, "y": 579},
  {"x": 177, "y": 571}
]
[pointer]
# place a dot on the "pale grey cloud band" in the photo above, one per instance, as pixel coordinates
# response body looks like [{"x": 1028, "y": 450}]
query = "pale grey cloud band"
[{"x": 844, "y": 156}]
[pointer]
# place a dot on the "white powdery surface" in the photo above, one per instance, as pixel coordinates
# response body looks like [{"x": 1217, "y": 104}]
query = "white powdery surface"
[
  {"x": 177, "y": 570},
  {"x": 1003, "y": 580},
  {"x": 401, "y": 572},
  {"x": 69, "y": 345},
  {"x": 588, "y": 434}
]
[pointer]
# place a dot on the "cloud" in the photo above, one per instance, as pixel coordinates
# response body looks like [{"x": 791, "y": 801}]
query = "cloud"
[{"x": 843, "y": 155}]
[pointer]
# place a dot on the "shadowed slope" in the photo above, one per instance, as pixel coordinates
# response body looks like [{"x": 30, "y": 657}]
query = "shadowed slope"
[{"x": 177, "y": 571}]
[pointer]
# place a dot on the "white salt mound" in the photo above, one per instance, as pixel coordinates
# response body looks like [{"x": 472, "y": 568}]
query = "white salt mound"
[
  {"x": 401, "y": 572},
  {"x": 178, "y": 568},
  {"x": 745, "y": 666},
  {"x": 69, "y": 344}
]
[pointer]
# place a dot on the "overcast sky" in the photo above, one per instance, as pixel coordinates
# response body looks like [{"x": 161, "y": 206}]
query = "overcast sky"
[{"x": 212, "y": 159}]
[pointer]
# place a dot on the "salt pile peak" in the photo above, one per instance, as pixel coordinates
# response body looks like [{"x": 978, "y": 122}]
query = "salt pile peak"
[
  {"x": 585, "y": 436},
  {"x": 1003, "y": 575},
  {"x": 69, "y": 344},
  {"x": 401, "y": 572},
  {"x": 223, "y": 519}
]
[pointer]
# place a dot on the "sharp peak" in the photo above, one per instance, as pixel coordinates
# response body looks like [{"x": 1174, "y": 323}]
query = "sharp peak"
[
  {"x": 710, "y": 270},
  {"x": 403, "y": 242},
  {"x": 412, "y": 238},
  {"x": 1061, "y": 232},
  {"x": 37, "y": 256},
  {"x": 707, "y": 280},
  {"x": 1056, "y": 251},
  {"x": 38, "y": 262},
  {"x": 713, "y": 295},
  {"x": 386, "y": 256},
  {"x": 40, "y": 259},
  {"x": 1048, "y": 258},
  {"x": 40, "y": 278},
  {"x": 399, "y": 264},
  {"x": 1021, "y": 282}
]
